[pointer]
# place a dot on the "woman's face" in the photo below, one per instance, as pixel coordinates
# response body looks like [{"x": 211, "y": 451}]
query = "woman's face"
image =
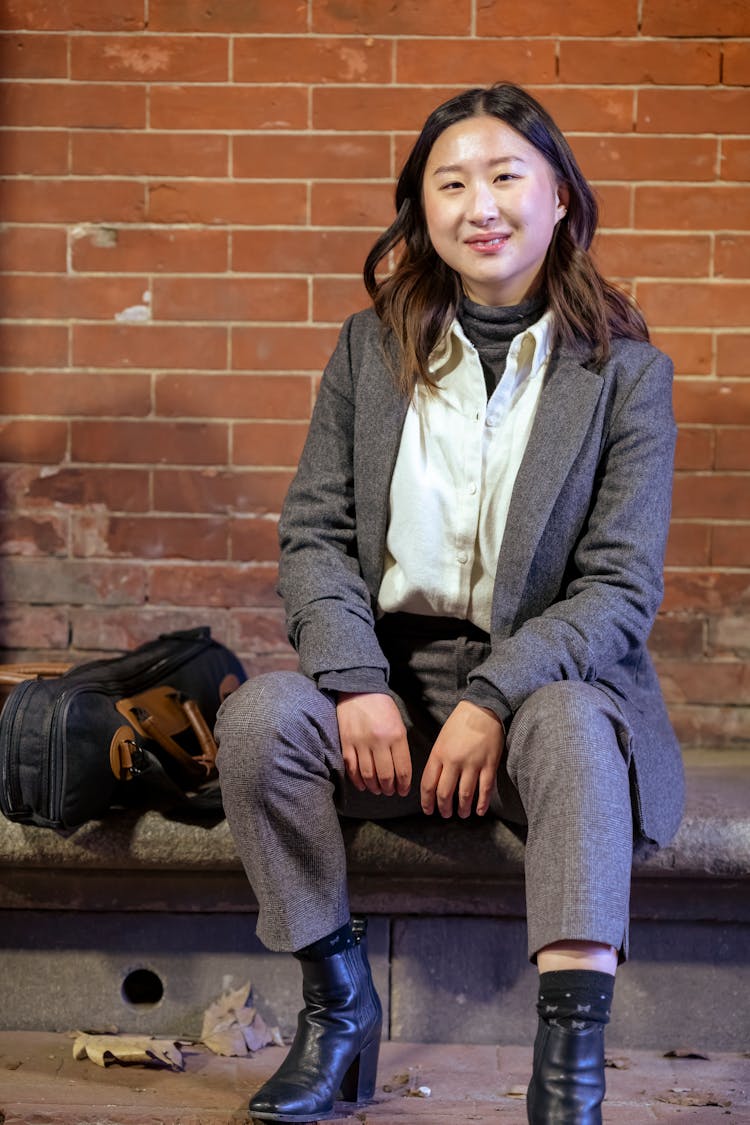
[{"x": 491, "y": 203}]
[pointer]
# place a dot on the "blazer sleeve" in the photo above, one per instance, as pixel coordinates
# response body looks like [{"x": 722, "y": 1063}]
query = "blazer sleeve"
[
  {"x": 328, "y": 605},
  {"x": 616, "y": 578}
]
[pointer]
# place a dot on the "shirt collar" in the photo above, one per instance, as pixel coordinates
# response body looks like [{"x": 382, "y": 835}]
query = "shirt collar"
[{"x": 537, "y": 336}]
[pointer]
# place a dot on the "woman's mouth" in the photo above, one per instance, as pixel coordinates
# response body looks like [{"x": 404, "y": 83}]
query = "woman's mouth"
[{"x": 488, "y": 244}]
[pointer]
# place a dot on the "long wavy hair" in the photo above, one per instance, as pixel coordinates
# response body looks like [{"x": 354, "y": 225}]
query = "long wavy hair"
[{"x": 417, "y": 302}]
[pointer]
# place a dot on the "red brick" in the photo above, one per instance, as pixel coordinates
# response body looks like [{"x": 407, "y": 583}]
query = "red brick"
[
  {"x": 705, "y": 681},
  {"x": 33, "y": 153},
  {"x": 374, "y": 108},
  {"x": 732, "y": 255},
  {"x": 33, "y": 345},
  {"x": 708, "y": 401},
  {"x": 705, "y": 208},
  {"x": 231, "y": 298},
  {"x": 268, "y": 443},
  {"x": 652, "y": 255},
  {"x": 73, "y": 581},
  {"x": 408, "y": 17},
  {"x": 255, "y": 540},
  {"x": 39, "y": 627},
  {"x": 50, "y": 296},
  {"x": 71, "y": 201},
  {"x": 723, "y": 496},
  {"x": 706, "y": 591},
  {"x": 99, "y": 535},
  {"x": 313, "y": 60},
  {"x": 308, "y": 251},
  {"x": 548, "y": 17},
  {"x": 150, "y": 345},
  {"x": 218, "y": 202},
  {"x": 475, "y": 62},
  {"x": 352, "y": 205},
  {"x": 149, "y": 443},
  {"x": 691, "y": 352},
  {"x": 228, "y": 107},
  {"x": 130, "y": 250},
  {"x": 84, "y": 105},
  {"x": 124, "y": 629},
  {"x": 38, "y": 441},
  {"x": 233, "y": 396},
  {"x": 694, "y": 111},
  {"x": 118, "y": 490},
  {"x": 730, "y": 543},
  {"x": 236, "y": 17},
  {"x": 695, "y": 448},
  {"x": 615, "y": 205},
  {"x": 260, "y": 632},
  {"x": 695, "y": 17},
  {"x": 722, "y": 303},
  {"x": 228, "y": 585},
  {"x": 33, "y": 535},
  {"x": 72, "y": 15},
  {"x": 736, "y": 64},
  {"x": 76, "y": 392},
  {"x": 626, "y": 157},
  {"x": 688, "y": 544},
  {"x": 210, "y": 490},
  {"x": 36, "y": 249},
  {"x": 733, "y": 355},
  {"x": 675, "y": 636},
  {"x": 733, "y": 449},
  {"x": 735, "y": 158},
  {"x": 157, "y": 58},
  {"x": 149, "y": 154},
  {"x": 311, "y": 156},
  {"x": 711, "y": 726},
  {"x": 33, "y": 56},
  {"x": 660, "y": 63},
  {"x": 282, "y": 349},
  {"x": 730, "y": 637},
  {"x": 334, "y": 298}
]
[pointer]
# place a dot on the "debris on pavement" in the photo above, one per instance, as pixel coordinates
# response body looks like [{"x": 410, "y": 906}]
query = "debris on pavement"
[
  {"x": 685, "y": 1053},
  {"x": 127, "y": 1050},
  {"x": 233, "y": 1027},
  {"x": 408, "y": 1085},
  {"x": 619, "y": 1062},
  {"x": 681, "y": 1096}
]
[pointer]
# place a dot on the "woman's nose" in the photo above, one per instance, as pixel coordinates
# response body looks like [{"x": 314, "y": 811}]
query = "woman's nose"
[{"x": 482, "y": 205}]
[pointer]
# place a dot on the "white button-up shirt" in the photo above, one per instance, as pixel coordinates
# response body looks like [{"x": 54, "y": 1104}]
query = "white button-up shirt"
[{"x": 454, "y": 475}]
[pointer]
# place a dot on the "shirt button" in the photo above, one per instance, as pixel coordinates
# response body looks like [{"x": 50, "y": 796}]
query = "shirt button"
[
  {"x": 462, "y": 557},
  {"x": 472, "y": 489},
  {"x": 490, "y": 421}
]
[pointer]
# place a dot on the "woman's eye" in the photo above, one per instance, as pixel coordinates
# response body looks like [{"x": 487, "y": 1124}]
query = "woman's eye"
[
  {"x": 452, "y": 185},
  {"x": 503, "y": 176}
]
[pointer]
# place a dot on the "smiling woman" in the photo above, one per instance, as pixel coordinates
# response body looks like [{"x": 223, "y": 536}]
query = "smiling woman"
[{"x": 472, "y": 555}]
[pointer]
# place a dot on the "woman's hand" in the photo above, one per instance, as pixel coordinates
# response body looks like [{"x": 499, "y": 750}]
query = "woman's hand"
[
  {"x": 466, "y": 754},
  {"x": 374, "y": 743}
]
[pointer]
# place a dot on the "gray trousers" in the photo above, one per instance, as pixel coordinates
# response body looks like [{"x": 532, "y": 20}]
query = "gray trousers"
[{"x": 564, "y": 774}]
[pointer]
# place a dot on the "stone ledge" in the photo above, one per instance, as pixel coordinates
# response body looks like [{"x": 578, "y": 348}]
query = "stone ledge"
[{"x": 713, "y": 841}]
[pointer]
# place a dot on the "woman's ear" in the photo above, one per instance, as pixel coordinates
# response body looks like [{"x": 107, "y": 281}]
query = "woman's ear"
[{"x": 563, "y": 199}]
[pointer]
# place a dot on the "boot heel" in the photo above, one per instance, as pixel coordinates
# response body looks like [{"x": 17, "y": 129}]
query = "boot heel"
[{"x": 358, "y": 1084}]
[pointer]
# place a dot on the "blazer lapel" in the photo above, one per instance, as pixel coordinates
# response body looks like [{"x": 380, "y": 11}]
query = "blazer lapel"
[{"x": 566, "y": 405}]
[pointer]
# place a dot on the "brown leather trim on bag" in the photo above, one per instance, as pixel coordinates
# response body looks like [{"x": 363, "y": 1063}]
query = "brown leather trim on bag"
[
  {"x": 159, "y": 714},
  {"x": 34, "y": 670},
  {"x": 121, "y": 753}
]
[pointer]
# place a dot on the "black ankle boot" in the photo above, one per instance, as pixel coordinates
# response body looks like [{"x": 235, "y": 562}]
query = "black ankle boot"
[
  {"x": 567, "y": 1084},
  {"x": 336, "y": 1046}
]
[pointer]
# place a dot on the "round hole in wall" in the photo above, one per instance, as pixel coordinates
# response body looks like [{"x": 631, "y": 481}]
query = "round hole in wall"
[{"x": 142, "y": 988}]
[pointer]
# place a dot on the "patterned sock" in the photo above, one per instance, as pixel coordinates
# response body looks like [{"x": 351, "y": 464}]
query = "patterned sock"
[
  {"x": 336, "y": 942},
  {"x": 575, "y": 998}
]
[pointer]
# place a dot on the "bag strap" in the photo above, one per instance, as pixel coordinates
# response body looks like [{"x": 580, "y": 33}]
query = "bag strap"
[
  {"x": 12, "y": 674},
  {"x": 162, "y": 712}
]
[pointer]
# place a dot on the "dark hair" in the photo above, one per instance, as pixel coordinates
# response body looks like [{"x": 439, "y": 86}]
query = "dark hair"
[{"x": 418, "y": 301}]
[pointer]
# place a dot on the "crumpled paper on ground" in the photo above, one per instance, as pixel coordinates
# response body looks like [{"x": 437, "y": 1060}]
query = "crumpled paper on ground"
[{"x": 231, "y": 1027}]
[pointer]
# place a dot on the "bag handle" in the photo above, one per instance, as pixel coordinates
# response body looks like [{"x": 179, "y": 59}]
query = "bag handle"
[
  {"x": 162, "y": 712},
  {"x": 12, "y": 674}
]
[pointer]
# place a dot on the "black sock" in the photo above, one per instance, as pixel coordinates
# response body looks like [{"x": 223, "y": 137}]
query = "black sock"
[
  {"x": 336, "y": 942},
  {"x": 575, "y": 998}
]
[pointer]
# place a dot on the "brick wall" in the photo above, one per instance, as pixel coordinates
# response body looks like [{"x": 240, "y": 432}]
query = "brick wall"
[{"x": 190, "y": 189}]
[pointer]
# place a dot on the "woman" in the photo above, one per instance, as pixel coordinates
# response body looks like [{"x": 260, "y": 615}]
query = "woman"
[{"x": 472, "y": 556}]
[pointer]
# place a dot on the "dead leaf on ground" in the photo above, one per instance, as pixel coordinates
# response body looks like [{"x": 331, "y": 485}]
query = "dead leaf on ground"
[
  {"x": 128, "y": 1050},
  {"x": 517, "y": 1092},
  {"x": 233, "y": 1027},
  {"x": 621, "y": 1062},
  {"x": 685, "y": 1053},
  {"x": 408, "y": 1084},
  {"x": 692, "y": 1098}
]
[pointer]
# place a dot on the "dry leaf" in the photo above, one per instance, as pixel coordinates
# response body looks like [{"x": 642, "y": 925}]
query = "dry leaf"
[
  {"x": 692, "y": 1097},
  {"x": 621, "y": 1063},
  {"x": 517, "y": 1092},
  {"x": 127, "y": 1050},
  {"x": 232, "y": 1027}
]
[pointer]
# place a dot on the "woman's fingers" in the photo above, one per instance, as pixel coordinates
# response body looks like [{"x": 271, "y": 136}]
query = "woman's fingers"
[{"x": 374, "y": 743}]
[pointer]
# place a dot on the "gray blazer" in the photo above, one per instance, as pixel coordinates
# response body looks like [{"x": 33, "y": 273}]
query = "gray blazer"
[{"x": 579, "y": 575}]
